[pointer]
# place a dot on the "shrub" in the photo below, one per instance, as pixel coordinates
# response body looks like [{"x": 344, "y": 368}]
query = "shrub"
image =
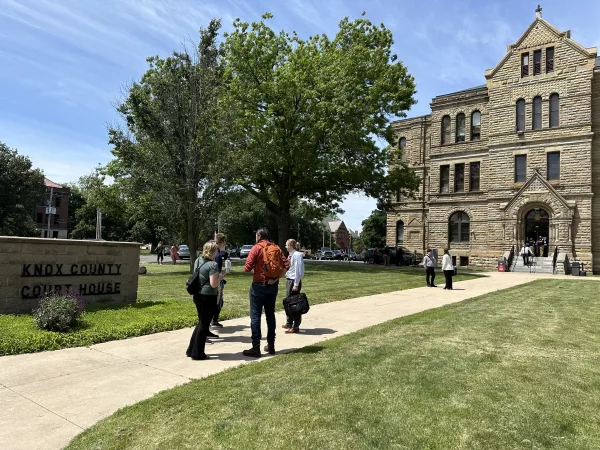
[{"x": 58, "y": 312}]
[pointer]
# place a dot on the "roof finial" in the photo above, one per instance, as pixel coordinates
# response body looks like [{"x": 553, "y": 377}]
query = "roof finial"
[{"x": 538, "y": 12}]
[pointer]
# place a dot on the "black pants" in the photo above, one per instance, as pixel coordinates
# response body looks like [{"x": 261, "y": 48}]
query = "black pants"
[
  {"x": 448, "y": 274},
  {"x": 159, "y": 257},
  {"x": 430, "y": 271},
  {"x": 205, "y": 305},
  {"x": 219, "y": 305},
  {"x": 293, "y": 321}
]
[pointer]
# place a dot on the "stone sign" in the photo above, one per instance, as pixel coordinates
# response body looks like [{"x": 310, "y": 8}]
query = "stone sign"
[{"x": 100, "y": 271}]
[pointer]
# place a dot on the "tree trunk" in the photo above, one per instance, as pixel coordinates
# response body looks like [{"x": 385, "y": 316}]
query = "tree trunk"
[
  {"x": 283, "y": 225},
  {"x": 191, "y": 235}
]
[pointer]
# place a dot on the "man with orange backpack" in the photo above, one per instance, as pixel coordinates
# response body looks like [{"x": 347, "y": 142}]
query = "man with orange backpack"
[{"x": 269, "y": 264}]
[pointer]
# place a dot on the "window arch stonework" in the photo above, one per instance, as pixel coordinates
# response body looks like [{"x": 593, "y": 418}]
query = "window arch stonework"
[{"x": 445, "y": 130}]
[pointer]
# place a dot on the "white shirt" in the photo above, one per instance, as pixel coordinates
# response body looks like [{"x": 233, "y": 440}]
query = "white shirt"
[
  {"x": 296, "y": 270},
  {"x": 447, "y": 263},
  {"x": 525, "y": 251}
]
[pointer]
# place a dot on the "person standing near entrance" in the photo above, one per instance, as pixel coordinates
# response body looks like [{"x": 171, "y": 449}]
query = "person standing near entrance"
[
  {"x": 269, "y": 264},
  {"x": 526, "y": 253},
  {"x": 294, "y": 282},
  {"x": 429, "y": 264},
  {"x": 448, "y": 269}
]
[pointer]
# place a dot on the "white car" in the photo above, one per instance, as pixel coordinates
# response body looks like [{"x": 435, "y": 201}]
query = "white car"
[{"x": 245, "y": 251}]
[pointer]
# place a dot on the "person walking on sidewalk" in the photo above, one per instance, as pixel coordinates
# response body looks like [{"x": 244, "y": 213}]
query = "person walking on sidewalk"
[
  {"x": 448, "y": 269},
  {"x": 429, "y": 264},
  {"x": 220, "y": 240},
  {"x": 205, "y": 300},
  {"x": 294, "y": 282},
  {"x": 269, "y": 264}
]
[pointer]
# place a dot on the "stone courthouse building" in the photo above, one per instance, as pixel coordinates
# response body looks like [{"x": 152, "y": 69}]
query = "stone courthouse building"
[{"x": 515, "y": 159}]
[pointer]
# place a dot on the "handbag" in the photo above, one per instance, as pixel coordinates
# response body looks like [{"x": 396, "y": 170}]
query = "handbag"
[
  {"x": 455, "y": 271},
  {"x": 296, "y": 304}
]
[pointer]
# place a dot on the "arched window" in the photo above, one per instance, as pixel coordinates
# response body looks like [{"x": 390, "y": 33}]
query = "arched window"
[
  {"x": 537, "y": 113},
  {"x": 460, "y": 128},
  {"x": 554, "y": 109},
  {"x": 520, "y": 115},
  {"x": 475, "y": 125},
  {"x": 399, "y": 232},
  {"x": 402, "y": 146},
  {"x": 445, "y": 130},
  {"x": 459, "y": 227}
]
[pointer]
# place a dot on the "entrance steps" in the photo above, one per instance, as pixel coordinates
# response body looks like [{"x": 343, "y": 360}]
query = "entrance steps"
[{"x": 537, "y": 265}]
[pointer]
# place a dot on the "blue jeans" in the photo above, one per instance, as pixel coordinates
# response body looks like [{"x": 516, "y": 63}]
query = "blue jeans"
[{"x": 262, "y": 296}]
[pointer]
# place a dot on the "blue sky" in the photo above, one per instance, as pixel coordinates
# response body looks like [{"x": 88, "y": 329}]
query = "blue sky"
[{"x": 64, "y": 63}]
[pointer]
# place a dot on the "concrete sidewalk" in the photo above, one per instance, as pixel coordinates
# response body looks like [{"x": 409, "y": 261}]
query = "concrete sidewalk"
[{"x": 48, "y": 398}]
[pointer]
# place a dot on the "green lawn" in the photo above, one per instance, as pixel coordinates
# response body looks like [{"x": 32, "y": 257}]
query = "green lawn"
[
  {"x": 163, "y": 304},
  {"x": 516, "y": 369}
]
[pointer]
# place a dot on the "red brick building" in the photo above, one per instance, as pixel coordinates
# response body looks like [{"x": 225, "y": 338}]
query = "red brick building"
[
  {"x": 339, "y": 234},
  {"x": 56, "y": 211}
]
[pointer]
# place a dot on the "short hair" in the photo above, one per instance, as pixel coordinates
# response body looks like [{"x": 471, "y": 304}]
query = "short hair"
[
  {"x": 209, "y": 251},
  {"x": 445, "y": 251},
  {"x": 429, "y": 250},
  {"x": 220, "y": 238},
  {"x": 263, "y": 234}
]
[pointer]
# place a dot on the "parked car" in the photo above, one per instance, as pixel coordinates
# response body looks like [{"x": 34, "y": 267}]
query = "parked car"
[
  {"x": 325, "y": 253},
  {"x": 234, "y": 252},
  {"x": 337, "y": 254},
  {"x": 184, "y": 252},
  {"x": 245, "y": 251},
  {"x": 352, "y": 256}
]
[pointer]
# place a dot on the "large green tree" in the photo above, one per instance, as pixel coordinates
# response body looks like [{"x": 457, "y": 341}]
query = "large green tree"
[
  {"x": 174, "y": 134},
  {"x": 374, "y": 229},
  {"x": 21, "y": 189},
  {"x": 308, "y": 114},
  {"x": 97, "y": 194}
]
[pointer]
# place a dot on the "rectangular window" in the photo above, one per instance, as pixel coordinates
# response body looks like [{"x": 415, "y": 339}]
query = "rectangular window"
[
  {"x": 520, "y": 168},
  {"x": 550, "y": 59},
  {"x": 474, "y": 176},
  {"x": 537, "y": 62},
  {"x": 55, "y": 234},
  {"x": 553, "y": 165},
  {"x": 57, "y": 202},
  {"x": 454, "y": 232},
  {"x": 459, "y": 178},
  {"x": 525, "y": 64},
  {"x": 40, "y": 218},
  {"x": 444, "y": 179},
  {"x": 464, "y": 260},
  {"x": 56, "y": 219},
  {"x": 398, "y": 196}
]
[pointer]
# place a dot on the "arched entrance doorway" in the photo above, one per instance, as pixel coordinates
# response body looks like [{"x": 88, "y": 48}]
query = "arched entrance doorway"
[{"x": 537, "y": 229}]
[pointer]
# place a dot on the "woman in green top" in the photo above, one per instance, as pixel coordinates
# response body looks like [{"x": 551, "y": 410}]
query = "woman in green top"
[{"x": 205, "y": 301}]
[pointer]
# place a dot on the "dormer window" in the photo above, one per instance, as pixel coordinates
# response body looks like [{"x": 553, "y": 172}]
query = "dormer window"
[
  {"x": 525, "y": 64},
  {"x": 550, "y": 59},
  {"x": 537, "y": 62}
]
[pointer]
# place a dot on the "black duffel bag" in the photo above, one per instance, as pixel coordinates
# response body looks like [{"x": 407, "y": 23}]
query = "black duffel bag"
[{"x": 296, "y": 304}]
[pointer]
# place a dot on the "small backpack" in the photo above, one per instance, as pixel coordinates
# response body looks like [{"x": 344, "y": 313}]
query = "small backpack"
[
  {"x": 273, "y": 263},
  {"x": 192, "y": 285}
]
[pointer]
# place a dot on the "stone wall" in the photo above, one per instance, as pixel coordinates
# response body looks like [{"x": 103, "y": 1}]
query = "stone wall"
[{"x": 102, "y": 272}]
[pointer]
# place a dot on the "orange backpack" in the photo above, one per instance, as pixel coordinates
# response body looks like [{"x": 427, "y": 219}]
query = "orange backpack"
[{"x": 273, "y": 263}]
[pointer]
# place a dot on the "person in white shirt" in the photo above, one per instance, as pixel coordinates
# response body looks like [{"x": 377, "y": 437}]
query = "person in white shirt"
[
  {"x": 294, "y": 282},
  {"x": 526, "y": 253},
  {"x": 429, "y": 264},
  {"x": 448, "y": 269}
]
